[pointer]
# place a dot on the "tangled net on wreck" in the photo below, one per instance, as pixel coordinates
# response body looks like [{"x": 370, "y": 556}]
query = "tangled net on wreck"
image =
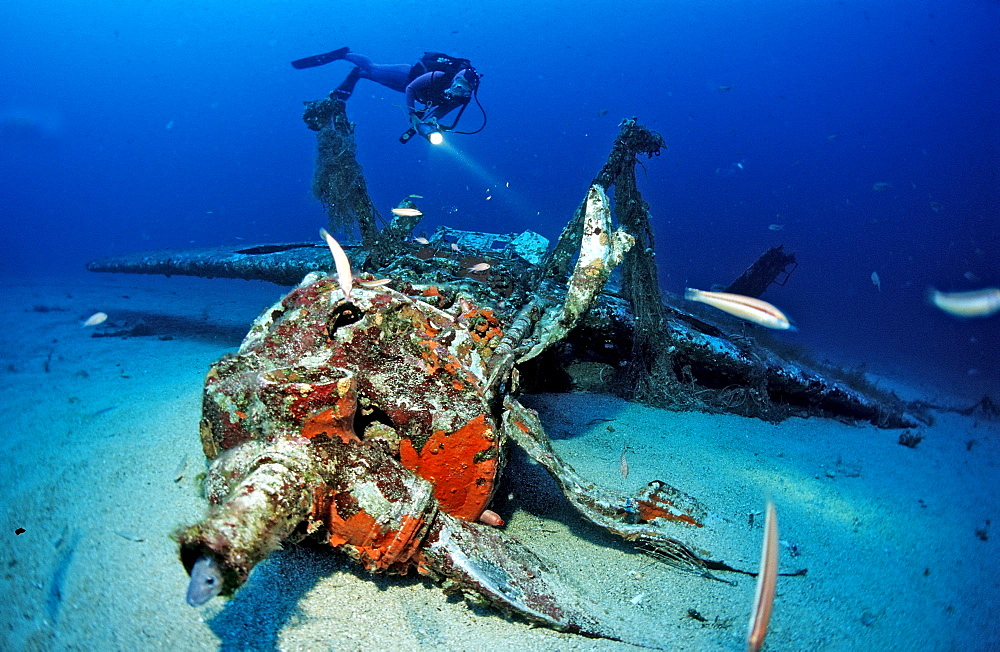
[
  {"x": 652, "y": 374},
  {"x": 338, "y": 180},
  {"x": 674, "y": 360}
]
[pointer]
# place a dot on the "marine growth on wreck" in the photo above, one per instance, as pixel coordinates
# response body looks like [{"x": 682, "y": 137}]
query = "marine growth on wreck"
[
  {"x": 378, "y": 423},
  {"x": 376, "y": 416}
]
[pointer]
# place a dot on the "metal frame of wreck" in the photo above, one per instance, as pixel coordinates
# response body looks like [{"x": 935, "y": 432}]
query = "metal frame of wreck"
[
  {"x": 656, "y": 353},
  {"x": 660, "y": 354}
]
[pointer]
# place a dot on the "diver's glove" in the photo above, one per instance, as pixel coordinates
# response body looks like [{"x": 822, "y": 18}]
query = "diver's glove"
[
  {"x": 418, "y": 126},
  {"x": 430, "y": 124}
]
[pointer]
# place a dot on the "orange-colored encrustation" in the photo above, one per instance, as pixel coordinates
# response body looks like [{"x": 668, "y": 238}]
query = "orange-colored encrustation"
[
  {"x": 648, "y": 511},
  {"x": 379, "y": 547},
  {"x": 462, "y": 485},
  {"x": 336, "y": 421}
]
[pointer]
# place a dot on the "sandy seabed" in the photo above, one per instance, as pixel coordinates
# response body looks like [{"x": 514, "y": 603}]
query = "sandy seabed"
[{"x": 100, "y": 457}]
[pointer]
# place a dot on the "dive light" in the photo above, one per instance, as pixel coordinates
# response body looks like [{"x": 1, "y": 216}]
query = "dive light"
[{"x": 431, "y": 133}]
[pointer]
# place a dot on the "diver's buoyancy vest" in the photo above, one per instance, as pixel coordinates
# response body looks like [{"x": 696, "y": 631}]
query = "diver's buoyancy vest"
[{"x": 438, "y": 62}]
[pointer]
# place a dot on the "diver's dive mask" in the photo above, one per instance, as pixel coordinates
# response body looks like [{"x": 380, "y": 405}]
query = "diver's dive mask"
[{"x": 460, "y": 86}]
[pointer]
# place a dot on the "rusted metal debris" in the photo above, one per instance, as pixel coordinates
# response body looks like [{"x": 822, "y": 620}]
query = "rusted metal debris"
[
  {"x": 379, "y": 425},
  {"x": 712, "y": 370},
  {"x": 281, "y": 263},
  {"x": 773, "y": 266},
  {"x": 656, "y": 351}
]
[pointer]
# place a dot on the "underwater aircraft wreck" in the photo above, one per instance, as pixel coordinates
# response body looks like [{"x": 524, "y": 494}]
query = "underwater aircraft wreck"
[{"x": 374, "y": 415}]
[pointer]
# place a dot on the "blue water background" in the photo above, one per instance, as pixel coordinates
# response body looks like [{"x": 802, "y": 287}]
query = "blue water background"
[{"x": 130, "y": 125}]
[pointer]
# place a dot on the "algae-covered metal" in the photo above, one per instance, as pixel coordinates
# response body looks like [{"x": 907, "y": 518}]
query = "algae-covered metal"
[{"x": 378, "y": 425}]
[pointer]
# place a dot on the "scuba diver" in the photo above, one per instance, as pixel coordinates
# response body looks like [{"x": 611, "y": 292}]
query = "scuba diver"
[{"x": 438, "y": 82}]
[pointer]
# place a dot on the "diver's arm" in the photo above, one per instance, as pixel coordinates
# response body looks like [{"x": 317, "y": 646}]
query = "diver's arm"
[
  {"x": 417, "y": 86},
  {"x": 442, "y": 110}
]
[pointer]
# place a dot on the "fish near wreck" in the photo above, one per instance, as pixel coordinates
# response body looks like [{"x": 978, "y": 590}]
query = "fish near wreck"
[
  {"x": 749, "y": 308},
  {"x": 972, "y": 303},
  {"x": 377, "y": 424}
]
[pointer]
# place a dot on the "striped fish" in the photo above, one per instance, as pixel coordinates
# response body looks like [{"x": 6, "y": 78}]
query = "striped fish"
[
  {"x": 748, "y": 308},
  {"x": 767, "y": 578}
]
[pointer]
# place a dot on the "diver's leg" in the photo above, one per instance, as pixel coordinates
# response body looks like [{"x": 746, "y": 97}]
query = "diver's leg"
[
  {"x": 359, "y": 60},
  {"x": 362, "y": 65},
  {"x": 346, "y": 87},
  {"x": 390, "y": 75}
]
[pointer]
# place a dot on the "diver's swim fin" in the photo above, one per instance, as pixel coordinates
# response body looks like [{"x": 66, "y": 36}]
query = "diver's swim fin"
[{"x": 320, "y": 59}]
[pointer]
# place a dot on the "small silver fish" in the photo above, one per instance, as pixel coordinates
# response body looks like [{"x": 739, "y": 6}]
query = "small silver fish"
[
  {"x": 376, "y": 283},
  {"x": 479, "y": 267},
  {"x": 623, "y": 464},
  {"x": 95, "y": 319},
  {"x": 179, "y": 471},
  {"x": 977, "y": 303},
  {"x": 421, "y": 240},
  {"x": 406, "y": 212},
  {"x": 455, "y": 247},
  {"x": 345, "y": 277},
  {"x": 776, "y": 227},
  {"x": 881, "y": 185},
  {"x": 876, "y": 281},
  {"x": 128, "y": 536}
]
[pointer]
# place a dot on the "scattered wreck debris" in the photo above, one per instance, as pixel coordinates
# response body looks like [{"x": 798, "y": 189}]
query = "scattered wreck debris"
[
  {"x": 985, "y": 406},
  {"x": 765, "y": 271},
  {"x": 772, "y": 265},
  {"x": 704, "y": 368}
]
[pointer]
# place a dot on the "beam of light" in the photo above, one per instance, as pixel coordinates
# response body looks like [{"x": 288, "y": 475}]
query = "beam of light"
[{"x": 497, "y": 189}]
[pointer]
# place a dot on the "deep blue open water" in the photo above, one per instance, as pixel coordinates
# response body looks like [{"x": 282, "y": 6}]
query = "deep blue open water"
[{"x": 137, "y": 125}]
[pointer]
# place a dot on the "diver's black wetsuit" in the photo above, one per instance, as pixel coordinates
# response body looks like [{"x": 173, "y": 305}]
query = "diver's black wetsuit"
[
  {"x": 391, "y": 75},
  {"x": 441, "y": 83},
  {"x": 428, "y": 88}
]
